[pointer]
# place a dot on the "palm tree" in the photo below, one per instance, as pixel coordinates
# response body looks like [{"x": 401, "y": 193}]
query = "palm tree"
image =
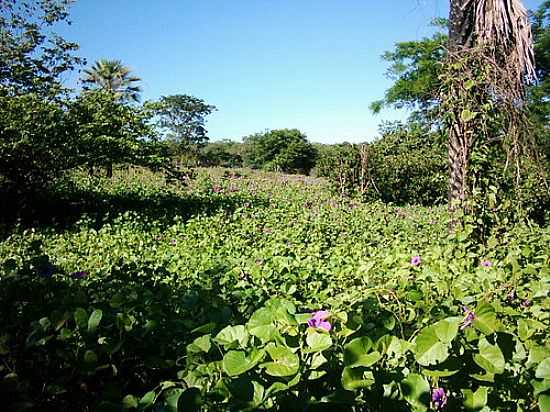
[
  {"x": 501, "y": 26},
  {"x": 113, "y": 76}
]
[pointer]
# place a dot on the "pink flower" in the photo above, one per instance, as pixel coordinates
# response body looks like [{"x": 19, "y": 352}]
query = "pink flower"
[
  {"x": 318, "y": 320},
  {"x": 469, "y": 317},
  {"x": 439, "y": 398},
  {"x": 486, "y": 263},
  {"x": 415, "y": 260}
]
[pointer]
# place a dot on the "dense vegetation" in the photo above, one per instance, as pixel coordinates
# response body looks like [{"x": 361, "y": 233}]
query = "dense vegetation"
[
  {"x": 137, "y": 275},
  {"x": 203, "y": 295}
]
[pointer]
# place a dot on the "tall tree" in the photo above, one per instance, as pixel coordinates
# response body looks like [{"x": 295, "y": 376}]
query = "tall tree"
[
  {"x": 114, "y": 77},
  {"x": 182, "y": 118},
  {"x": 500, "y": 31},
  {"x": 36, "y": 144},
  {"x": 33, "y": 57}
]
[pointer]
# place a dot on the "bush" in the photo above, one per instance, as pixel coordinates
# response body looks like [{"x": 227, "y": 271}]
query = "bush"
[
  {"x": 283, "y": 150},
  {"x": 406, "y": 166}
]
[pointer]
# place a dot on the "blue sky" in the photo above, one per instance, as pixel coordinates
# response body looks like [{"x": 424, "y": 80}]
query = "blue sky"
[{"x": 308, "y": 64}]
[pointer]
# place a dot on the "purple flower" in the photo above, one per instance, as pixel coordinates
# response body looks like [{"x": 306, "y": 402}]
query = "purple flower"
[
  {"x": 318, "y": 320},
  {"x": 81, "y": 274},
  {"x": 415, "y": 260},
  {"x": 486, "y": 263},
  {"x": 526, "y": 303},
  {"x": 439, "y": 398},
  {"x": 217, "y": 189},
  {"x": 469, "y": 317},
  {"x": 510, "y": 297}
]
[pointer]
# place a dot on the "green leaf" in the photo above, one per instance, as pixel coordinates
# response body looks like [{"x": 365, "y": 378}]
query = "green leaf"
[
  {"x": 356, "y": 378},
  {"x": 284, "y": 362},
  {"x": 474, "y": 401},
  {"x": 416, "y": 391},
  {"x": 429, "y": 349},
  {"x": 468, "y": 84},
  {"x": 261, "y": 325},
  {"x": 543, "y": 370},
  {"x": 129, "y": 402},
  {"x": 540, "y": 386},
  {"x": 544, "y": 403},
  {"x": 467, "y": 116},
  {"x": 90, "y": 358},
  {"x": 490, "y": 357},
  {"x": 357, "y": 353},
  {"x": 147, "y": 400},
  {"x": 318, "y": 360},
  {"x": 236, "y": 362},
  {"x": 200, "y": 344},
  {"x": 81, "y": 318},
  {"x": 447, "y": 329},
  {"x": 231, "y": 336},
  {"x": 485, "y": 319},
  {"x": 94, "y": 320},
  {"x": 536, "y": 355},
  {"x": 318, "y": 341}
]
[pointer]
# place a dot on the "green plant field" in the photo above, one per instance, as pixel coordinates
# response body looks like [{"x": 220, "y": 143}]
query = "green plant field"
[{"x": 135, "y": 294}]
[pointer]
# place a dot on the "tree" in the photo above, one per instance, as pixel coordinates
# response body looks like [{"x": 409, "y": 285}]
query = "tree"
[
  {"x": 182, "y": 118},
  {"x": 32, "y": 57},
  {"x": 36, "y": 143},
  {"x": 491, "y": 55},
  {"x": 285, "y": 150},
  {"x": 119, "y": 87},
  {"x": 112, "y": 76},
  {"x": 109, "y": 131},
  {"x": 225, "y": 152},
  {"x": 415, "y": 67}
]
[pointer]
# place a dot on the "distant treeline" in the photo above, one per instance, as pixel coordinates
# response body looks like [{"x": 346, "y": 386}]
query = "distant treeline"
[{"x": 407, "y": 164}]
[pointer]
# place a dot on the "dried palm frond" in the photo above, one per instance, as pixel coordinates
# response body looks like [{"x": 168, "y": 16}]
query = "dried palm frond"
[{"x": 504, "y": 26}]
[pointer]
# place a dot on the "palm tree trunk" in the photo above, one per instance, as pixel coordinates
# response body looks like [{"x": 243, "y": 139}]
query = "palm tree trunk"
[
  {"x": 460, "y": 29},
  {"x": 459, "y": 153}
]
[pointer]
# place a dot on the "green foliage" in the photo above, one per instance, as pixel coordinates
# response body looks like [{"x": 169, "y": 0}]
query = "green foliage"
[
  {"x": 37, "y": 141},
  {"x": 341, "y": 164},
  {"x": 113, "y": 77},
  {"x": 414, "y": 68},
  {"x": 199, "y": 298},
  {"x": 181, "y": 118},
  {"x": 32, "y": 57},
  {"x": 406, "y": 166},
  {"x": 109, "y": 130},
  {"x": 285, "y": 150},
  {"x": 225, "y": 153},
  {"x": 35, "y": 136}
]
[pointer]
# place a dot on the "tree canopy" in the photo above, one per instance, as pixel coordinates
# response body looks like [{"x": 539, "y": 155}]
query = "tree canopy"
[{"x": 182, "y": 118}]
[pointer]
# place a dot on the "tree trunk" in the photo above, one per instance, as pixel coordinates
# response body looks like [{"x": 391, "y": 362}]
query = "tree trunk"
[
  {"x": 460, "y": 37},
  {"x": 110, "y": 170},
  {"x": 90, "y": 169}
]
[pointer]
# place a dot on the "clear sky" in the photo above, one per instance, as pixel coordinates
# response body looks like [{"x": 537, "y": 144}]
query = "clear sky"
[{"x": 266, "y": 64}]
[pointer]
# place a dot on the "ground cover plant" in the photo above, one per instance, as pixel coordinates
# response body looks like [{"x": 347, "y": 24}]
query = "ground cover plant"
[{"x": 244, "y": 290}]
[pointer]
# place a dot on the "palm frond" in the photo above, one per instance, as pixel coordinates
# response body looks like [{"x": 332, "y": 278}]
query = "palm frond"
[{"x": 504, "y": 26}]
